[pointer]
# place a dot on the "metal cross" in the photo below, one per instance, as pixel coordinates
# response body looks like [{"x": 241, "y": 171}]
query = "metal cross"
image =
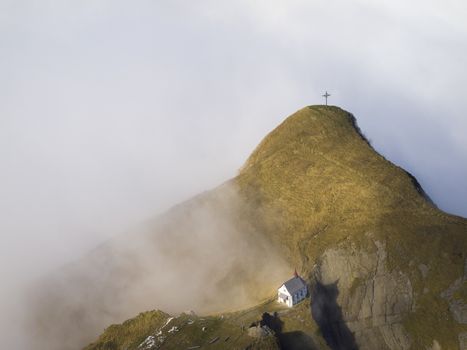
[{"x": 326, "y": 95}]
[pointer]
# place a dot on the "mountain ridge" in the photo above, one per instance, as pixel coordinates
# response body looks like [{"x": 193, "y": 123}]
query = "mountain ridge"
[
  {"x": 323, "y": 184},
  {"x": 386, "y": 268}
]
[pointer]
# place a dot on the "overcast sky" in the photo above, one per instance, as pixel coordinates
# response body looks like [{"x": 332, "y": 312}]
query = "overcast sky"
[{"x": 111, "y": 111}]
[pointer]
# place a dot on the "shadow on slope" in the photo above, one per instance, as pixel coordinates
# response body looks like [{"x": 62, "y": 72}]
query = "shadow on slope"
[
  {"x": 295, "y": 340},
  {"x": 328, "y": 315}
]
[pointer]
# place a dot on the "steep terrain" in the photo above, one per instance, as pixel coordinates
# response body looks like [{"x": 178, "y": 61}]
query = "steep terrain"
[
  {"x": 387, "y": 269},
  {"x": 363, "y": 230}
]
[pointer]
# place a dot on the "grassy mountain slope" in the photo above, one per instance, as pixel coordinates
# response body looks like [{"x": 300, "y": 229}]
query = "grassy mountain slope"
[
  {"x": 386, "y": 268},
  {"x": 321, "y": 179},
  {"x": 228, "y": 330},
  {"x": 317, "y": 183}
]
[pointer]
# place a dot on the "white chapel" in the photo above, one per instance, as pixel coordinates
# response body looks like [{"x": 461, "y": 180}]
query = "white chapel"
[{"x": 293, "y": 291}]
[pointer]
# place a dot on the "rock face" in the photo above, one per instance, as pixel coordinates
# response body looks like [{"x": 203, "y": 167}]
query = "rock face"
[
  {"x": 260, "y": 332},
  {"x": 457, "y": 305},
  {"x": 372, "y": 299}
]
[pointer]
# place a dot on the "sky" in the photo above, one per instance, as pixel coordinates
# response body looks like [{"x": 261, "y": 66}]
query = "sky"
[{"x": 112, "y": 111}]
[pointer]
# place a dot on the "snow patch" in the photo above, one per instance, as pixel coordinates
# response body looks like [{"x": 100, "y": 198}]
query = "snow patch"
[{"x": 156, "y": 340}]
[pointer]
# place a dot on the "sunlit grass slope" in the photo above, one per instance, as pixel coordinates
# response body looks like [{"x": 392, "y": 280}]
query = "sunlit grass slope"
[{"x": 315, "y": 182}]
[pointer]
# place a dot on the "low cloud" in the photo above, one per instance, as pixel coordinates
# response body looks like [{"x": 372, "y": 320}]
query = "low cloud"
[{"x": 200, "y": 256}]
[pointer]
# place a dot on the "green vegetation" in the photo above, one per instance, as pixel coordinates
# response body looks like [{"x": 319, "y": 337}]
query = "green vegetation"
[
  {"x": 130, "y": 333},
  {"x": 228, "y": 330},
  {"x": 461, "y": 293}
]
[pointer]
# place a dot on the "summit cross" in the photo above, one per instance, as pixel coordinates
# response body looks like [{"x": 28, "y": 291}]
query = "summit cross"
[{"x": 326, "y": 95}]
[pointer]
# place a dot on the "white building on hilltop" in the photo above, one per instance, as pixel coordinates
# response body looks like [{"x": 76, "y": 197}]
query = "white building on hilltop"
[{"x": 293, "y": 291}]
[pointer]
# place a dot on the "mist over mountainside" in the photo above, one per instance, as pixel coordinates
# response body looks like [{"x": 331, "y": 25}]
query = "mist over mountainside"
[
  {"x": 387, "y": 269},
  {"x": 198, "y": 256}
]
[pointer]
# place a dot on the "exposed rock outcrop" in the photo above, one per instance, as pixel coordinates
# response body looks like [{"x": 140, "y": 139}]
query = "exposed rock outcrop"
[
  {"x": 457, "y": 305},
  {"x": 373, "y": 299}
]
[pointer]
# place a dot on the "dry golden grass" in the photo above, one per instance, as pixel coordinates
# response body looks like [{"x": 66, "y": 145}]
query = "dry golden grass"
[{"x": 315, "y": 181}]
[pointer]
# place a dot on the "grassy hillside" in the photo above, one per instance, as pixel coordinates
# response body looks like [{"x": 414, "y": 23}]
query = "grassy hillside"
[
  {"x": 131, "y": 333},
  {"x": 316, "y": 177},
  {"x": 315, "y": 195},
  {"x": 154, "y": 330},
  {"x": 315, "y": 182}
]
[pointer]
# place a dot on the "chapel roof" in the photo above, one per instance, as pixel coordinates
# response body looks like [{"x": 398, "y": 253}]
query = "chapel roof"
[{"x": 294, "y": 284}]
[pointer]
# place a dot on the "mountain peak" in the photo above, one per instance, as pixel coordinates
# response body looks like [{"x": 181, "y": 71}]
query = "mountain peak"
[
  {"x": 318, "y": 156},
  {"x": 311, "y": 128},
  {"x": 384, "y": 266}
]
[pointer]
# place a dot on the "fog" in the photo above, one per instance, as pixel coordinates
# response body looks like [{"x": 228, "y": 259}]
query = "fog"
[
  {"x": 201, "y": 256},
  {"x": 112, "y": 112}
]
